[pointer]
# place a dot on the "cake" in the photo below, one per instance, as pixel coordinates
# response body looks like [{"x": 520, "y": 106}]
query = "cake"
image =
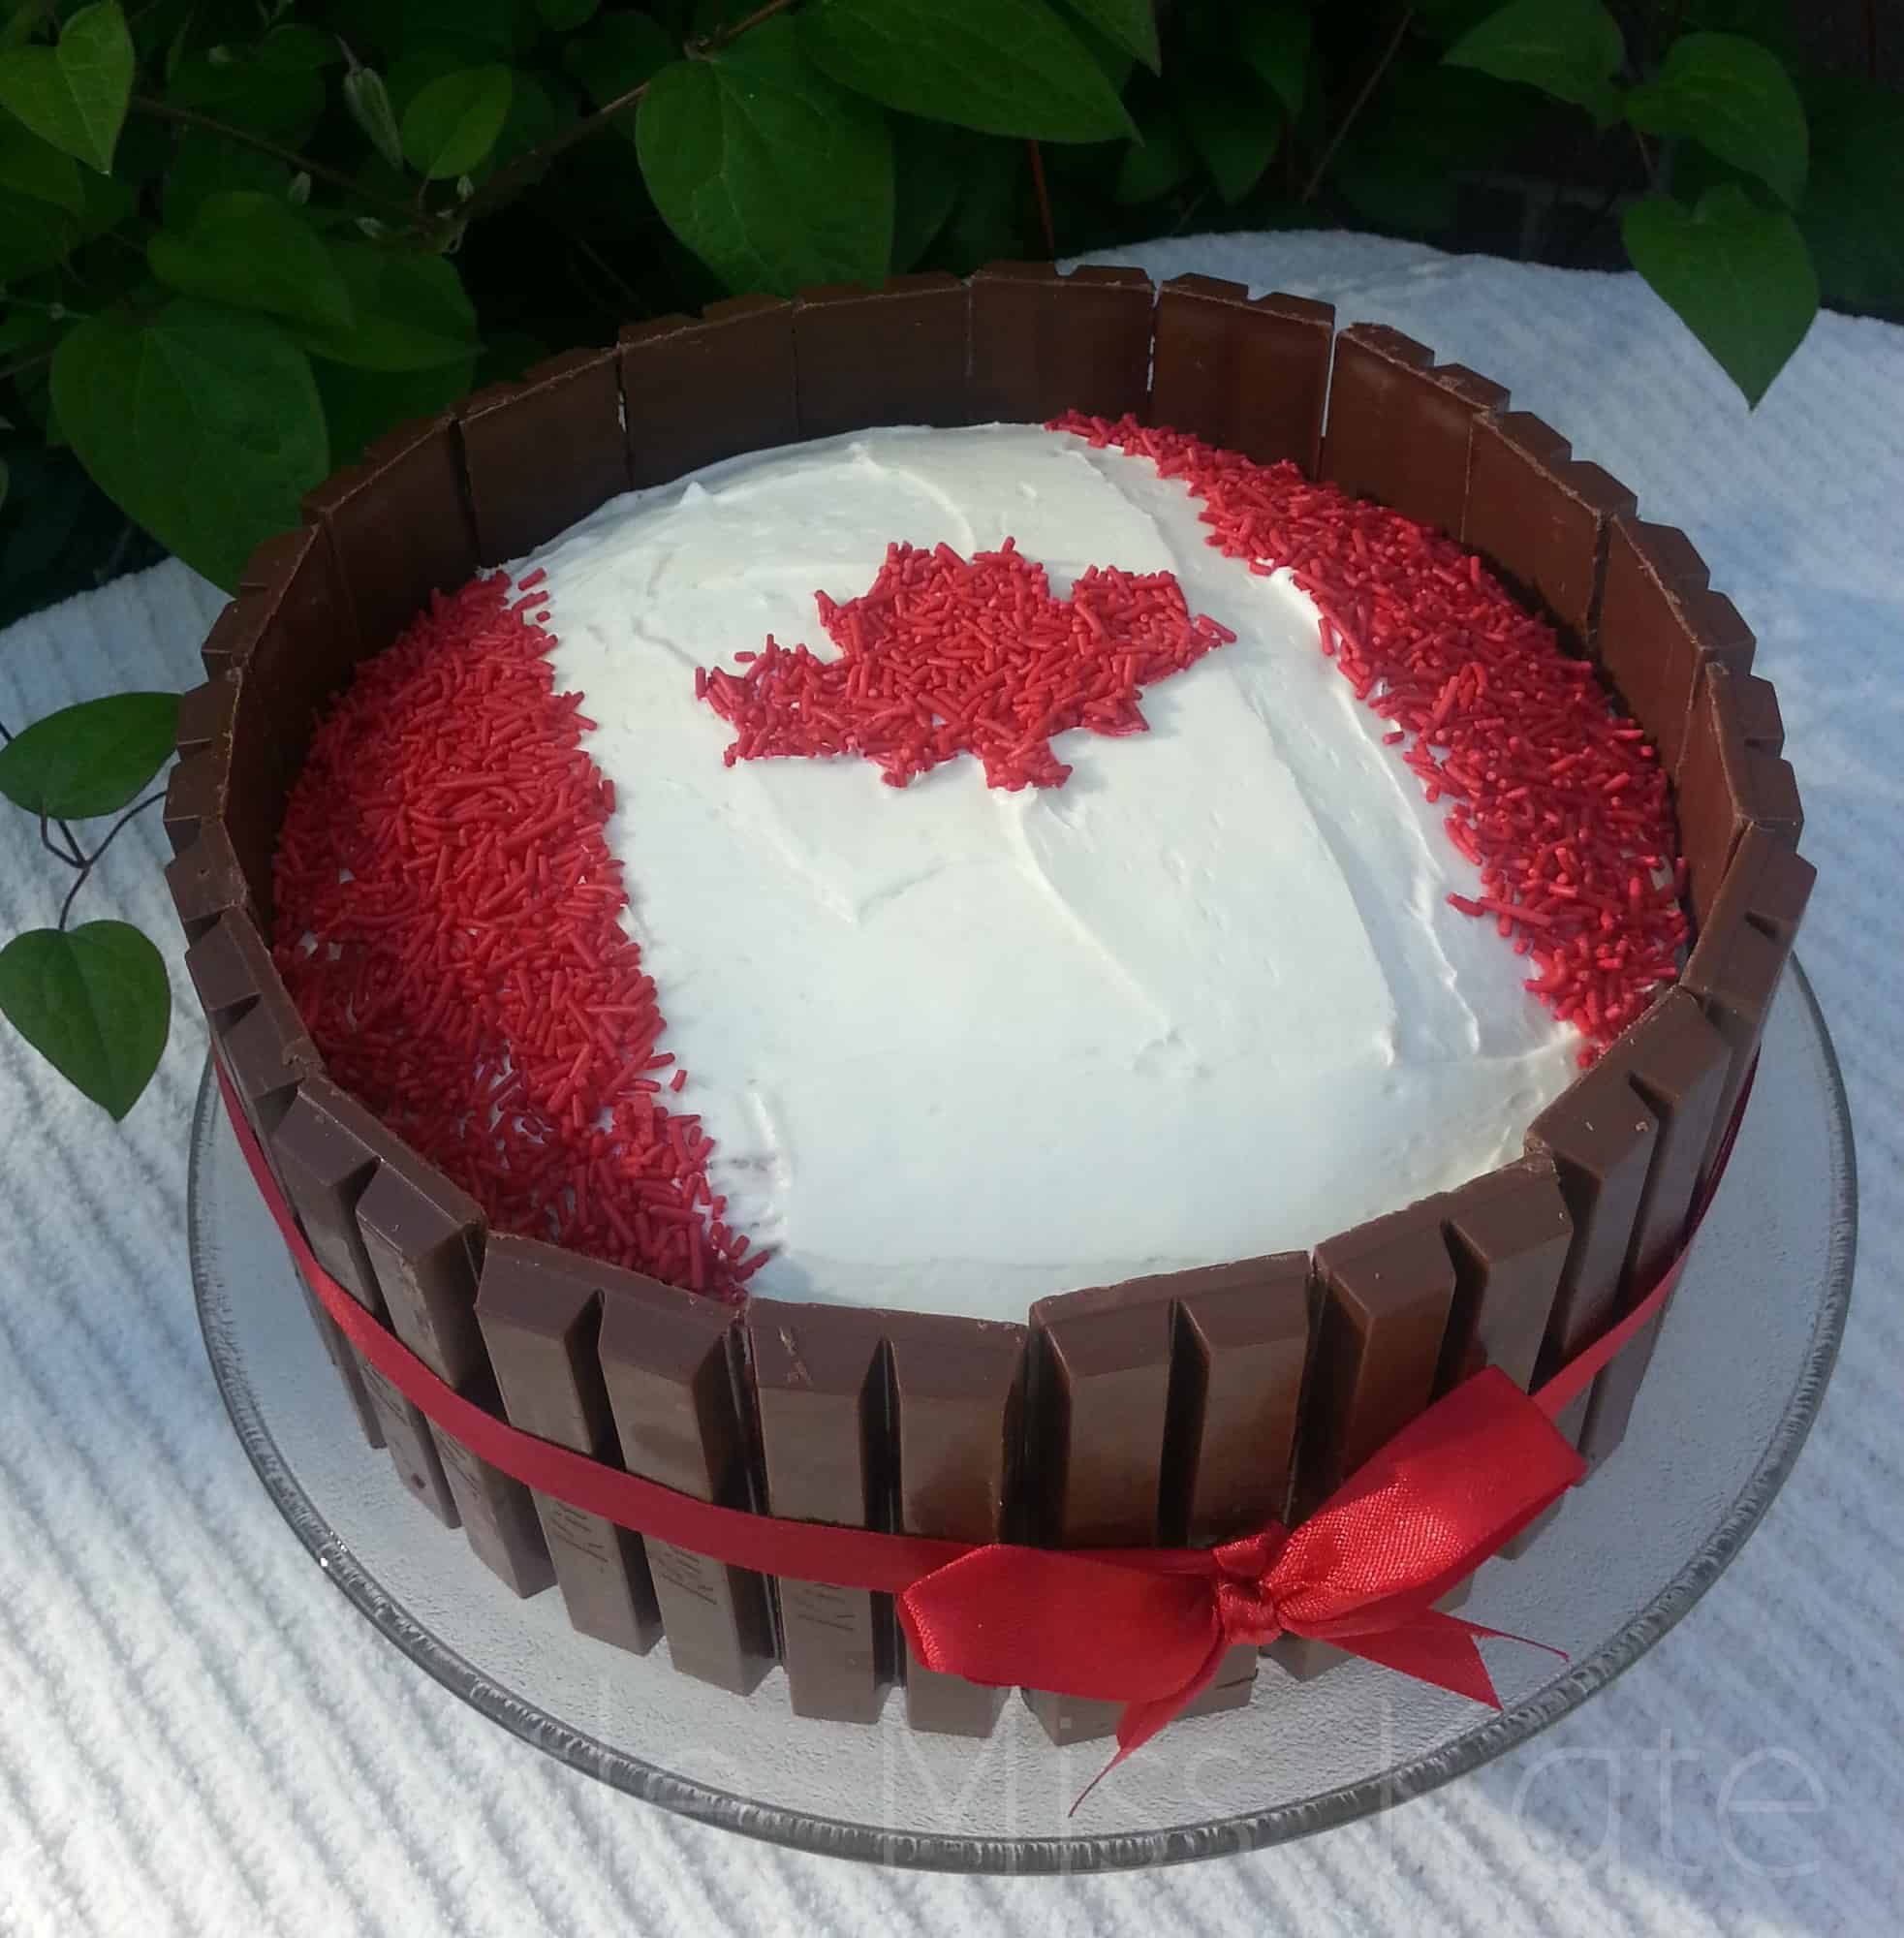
[{"x": 1097, "y": 1104}]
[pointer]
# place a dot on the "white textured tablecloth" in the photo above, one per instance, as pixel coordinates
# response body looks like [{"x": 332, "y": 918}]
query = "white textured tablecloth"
[{"x": 197, "y": 1739}]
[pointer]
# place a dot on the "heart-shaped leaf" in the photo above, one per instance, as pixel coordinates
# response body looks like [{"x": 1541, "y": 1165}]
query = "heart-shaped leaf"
[
  {"x": 1004, "y": 67},
  {"x": 1739, "y": 275},
  {"x": 1734, "y": 98},
  {"x": 1568, "y": 49},
  {"x": 31, "y": 167},
  {"x": 202, "y": 423},
  {"x": 770, "y": 173},
  {"x": 410, "y": 310},
  {"x": 254, "y": 252},
  {"x": 89, "y": 759},
  {"x": 454, "y": 122},
  {"x": 75, "y": 95},
  {"x": 94, "y": 1002}
]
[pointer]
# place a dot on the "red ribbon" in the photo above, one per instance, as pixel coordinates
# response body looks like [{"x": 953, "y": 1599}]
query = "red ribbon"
[{"x": 1146, "y": 1627}]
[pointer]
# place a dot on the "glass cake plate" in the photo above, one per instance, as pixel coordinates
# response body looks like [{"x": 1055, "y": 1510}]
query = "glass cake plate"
[{"x": 1734, "y": 1386}]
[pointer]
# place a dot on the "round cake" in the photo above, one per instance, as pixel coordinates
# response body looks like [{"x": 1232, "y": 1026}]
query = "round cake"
[{"x": 983, "y": 927}]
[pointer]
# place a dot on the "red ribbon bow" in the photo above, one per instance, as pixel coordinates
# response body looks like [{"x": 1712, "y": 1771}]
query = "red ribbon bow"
[{"x": 1148, "y": 1627}]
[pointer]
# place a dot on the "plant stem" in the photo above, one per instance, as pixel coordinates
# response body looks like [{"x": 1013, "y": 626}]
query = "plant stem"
[
  {"x": 25, "y": 364},
  {"x": 88, "y": 865},
  {"x": 1043, "y": 198},
  {"x": 526, "y": 167},
  {"x": 1356, "y": 107},
  {"x": 70, "y": 854},
  {"x": 186, "y": 118}
]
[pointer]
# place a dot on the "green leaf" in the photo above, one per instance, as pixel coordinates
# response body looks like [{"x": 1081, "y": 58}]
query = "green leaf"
[
  {"x": 1004, "y": 67},
  {"x": 1856, "y": 236},
  {"x": 284, "y": 103},
  {"x": 1568, "y": 49},
  {"x": 615, "y": 56},
  {"x": 202, "y": 423},
  {"x": 770, "y": 173},
  {"x": 928, "y": 171},
  {"x": 31, "y": 167},
  {"x": 369, "y": 103},
  {"x": 75, "y": 95},
  {"x": 410, "y": 310},
  {"x": 1739, "y": 275},
  {"x": 94, "y": 1002},
  {"x": 208, "y": 164},
  {"x": 254, "y": 252},
  {"x": 1276, "y": 42},
  {"x": 1161, "y": 162},
  {"x": 561, "y": 17},
  {"x": 1233, "y": 123},
  {"x": 361, "y": 405},
  {"x": 1131, "y": 23},
  {"x": 1732, "y": 97},
  {"x": 455, "y": 122},
  {"x": 294, "y": 46},
  {"x": 90, "y": 759}
]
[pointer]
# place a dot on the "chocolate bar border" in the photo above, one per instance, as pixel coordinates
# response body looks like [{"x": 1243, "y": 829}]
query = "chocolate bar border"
[{"x": 1502, "y": 1269}]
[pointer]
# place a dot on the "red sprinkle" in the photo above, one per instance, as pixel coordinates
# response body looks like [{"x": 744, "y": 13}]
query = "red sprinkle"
[
  {"x": 1556, "y": 796},
  {"x": 945, "y": 655},
  {"x": 448, "y": 913}
]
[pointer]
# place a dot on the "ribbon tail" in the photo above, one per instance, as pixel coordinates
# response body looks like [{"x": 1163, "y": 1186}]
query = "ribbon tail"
[
  {"x": 1439, "y": 1648},
  {"x": 1141, "y": 1721}
]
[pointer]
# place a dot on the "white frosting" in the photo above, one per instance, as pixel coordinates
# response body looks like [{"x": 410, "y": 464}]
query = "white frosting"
[{"x": 960, "y": 1048}]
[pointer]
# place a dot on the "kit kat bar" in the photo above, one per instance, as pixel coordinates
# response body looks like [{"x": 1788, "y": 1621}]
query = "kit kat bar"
[
  {"x": 424, "y": 1238},
  {"x": 207, "y": 881},
  {"x": 958, "y": 1388},
  {"x": 1541, "y": 516},
  {"x": 1731, "y": 777},
  {"x": 1601, "y": 1138},
  {"x": 697, "y": 391},
  {"x": 1043, "y": 343},
  {"x": 205, "y": 713},
  {"x": 539, "y": 1311},
  {"x": 326, "y": 1153},
  {"x": 1739, "y": 958},
  {"x": 1677, "y": 1062},
  {"x": 894, "y": 354},
  {"x": 1384, "y": 1293},
  {"x": 1509, "y": 1234},
  {"x": 819, "y": 1395},
  {"x": 1660, "y": 624},
  {"x": 1400, "y": 425},
  {"x": 1248, "y": 375},
  {"x": 1097, "y": 1407},
  {"x": 668, "y": 1359}
]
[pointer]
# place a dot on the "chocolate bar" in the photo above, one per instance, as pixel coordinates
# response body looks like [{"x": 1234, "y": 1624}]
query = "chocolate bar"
[
  {"x": 1399, "y": 426},
  {"x": 820, "y": 1394},
  {"x": 957, "y": 1389},
  {"x": 1142, "y": 1432},
  {"x": 398, "y": 526},
  {"x": 1658, "y": 624},
  {"x": 424, "y": 1240},
  {"x": 891, "y": 355},
  {"x": 694, "y": 392},
  {"x": 539, "y": 1311},
  {"x": 207, "y": 881},
  {"x": 542, "y": 454},
  {"x": 206, "y": 712},
  {"x": 1043, "y": 343},
  {"x": 1739, "y": 958},
  {"x": 1677, "y": 1062},
  {"x": 326, "y": 1148},
  {"x": 1540, "y": 517},
  {"x": 1731, "y": 777},
  {"x": 1509, "y": 1234},
  {"x": 1601, "y": 1138},
  {"x": 1248, "y": 375},
  {"x": 195, "y": 792},
  {"x": 668, "y": 1364}
]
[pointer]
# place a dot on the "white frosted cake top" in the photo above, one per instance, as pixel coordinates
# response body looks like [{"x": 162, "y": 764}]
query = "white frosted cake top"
[{"x": 961, "y": 1048}]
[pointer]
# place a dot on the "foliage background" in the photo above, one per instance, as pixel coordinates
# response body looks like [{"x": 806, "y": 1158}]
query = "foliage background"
[{"x": 240, "y": 238}]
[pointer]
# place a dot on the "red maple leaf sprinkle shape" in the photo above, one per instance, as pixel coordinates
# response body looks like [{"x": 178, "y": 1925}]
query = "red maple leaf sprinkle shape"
[{"x": 944, "y": 656}]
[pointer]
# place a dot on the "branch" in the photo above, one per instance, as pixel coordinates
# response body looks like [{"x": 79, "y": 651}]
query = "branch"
[
  {"x": 70, "y": 854},
  {"x": 186, "y": 118},
  {"x": 526, "y": 167},
  {"x": 91, "y": 861},
  {"x": 1361, "y": 102}
]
